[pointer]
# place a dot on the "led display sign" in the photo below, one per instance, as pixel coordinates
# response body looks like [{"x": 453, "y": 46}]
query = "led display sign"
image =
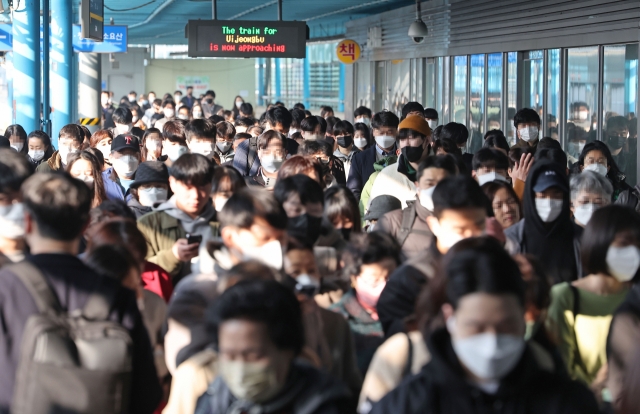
[{"x": 251, "y": 39}]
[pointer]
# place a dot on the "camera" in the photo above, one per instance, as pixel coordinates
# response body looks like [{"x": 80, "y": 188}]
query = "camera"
[{"x": 418, "y": 31}]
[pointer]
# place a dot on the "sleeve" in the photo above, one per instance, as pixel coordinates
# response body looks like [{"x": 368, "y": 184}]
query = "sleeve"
[
  {"x": 367, "y": 192},
  {"x": 354, "y": 182},
  {"x": 387, "y": 224},
  {"x": 622, "y": 345},
  {"x": 518, "y": 187},
  {"x": 163, "y": 258},
  {"x": 240, "y": 158}
]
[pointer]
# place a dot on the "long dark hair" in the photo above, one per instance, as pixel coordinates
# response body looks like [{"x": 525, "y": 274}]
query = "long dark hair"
[
  {"x": 17, "y": 130},
  {"x": 614, "y": 175},
  {"x": 46, "y": 140},
  {"x": 99, "y": 193}
]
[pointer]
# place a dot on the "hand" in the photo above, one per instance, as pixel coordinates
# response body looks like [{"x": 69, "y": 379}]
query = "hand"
[
  {"x": 521, "y": 169},
  {"x": 184, "y": 251}
]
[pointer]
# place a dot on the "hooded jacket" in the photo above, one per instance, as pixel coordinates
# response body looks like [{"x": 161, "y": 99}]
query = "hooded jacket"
[
  {"x": 419, "y": 238},
  {"x": 555, "y": 244},
  {"x": 54, "y": 163},
  {"x": 441, "y": 388}
]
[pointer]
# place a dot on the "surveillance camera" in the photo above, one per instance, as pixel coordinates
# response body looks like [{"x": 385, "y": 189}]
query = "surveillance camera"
[{"x": 418, "y": 31}]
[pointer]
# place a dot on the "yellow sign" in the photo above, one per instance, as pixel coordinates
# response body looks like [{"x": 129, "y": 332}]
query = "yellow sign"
[{"x": 348, "y": 51}]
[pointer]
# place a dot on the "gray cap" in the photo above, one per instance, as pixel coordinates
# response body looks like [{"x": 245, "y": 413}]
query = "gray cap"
[{"x": 381, "y": 205}]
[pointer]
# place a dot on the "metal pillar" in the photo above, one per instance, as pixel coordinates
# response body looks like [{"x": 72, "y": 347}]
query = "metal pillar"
[
  {"x": 46, "y": 101},
  {"x": 61, "y": 65},
  {"x": 10, "y": 73},
  {"x": 341, "y": 88},
  {"x": 261, "y": 82},
  {"x": 26, "y": 63},
  {"x": 89, "y": 86},
  {"x": 306, "y": 79},
  {"x": 278, "y": 91}
]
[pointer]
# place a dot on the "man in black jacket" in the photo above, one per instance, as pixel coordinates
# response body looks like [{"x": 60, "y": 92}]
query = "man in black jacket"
[
  {"x": 56, "y": 214},
  {"x": 480, "y": 362}
]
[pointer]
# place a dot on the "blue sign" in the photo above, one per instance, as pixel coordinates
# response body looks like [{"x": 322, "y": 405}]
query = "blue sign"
[
  {"x": 6, "y": 38},
  {"x": 114, "y": 41}
]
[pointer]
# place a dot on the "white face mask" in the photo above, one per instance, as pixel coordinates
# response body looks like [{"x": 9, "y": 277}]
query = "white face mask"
[
  {"x": 269, "y": 254},
  {"x": 385, "y": 141},
  {"x": 312, "y": 137},
  {"x": 169, "y": 112},
  {"x": 360, "y": 142},
  {"x": 203, "y": 148},
  {"x": 598, "y": 168},
  {"x": 239, "y": 104},
  {"x": 123, "y": 128},
  {"x": 271, "y": 163},
  {"x": 446, "y": 239},
  {"x": 491, "y": 177},
  {"x": 88, "y": 179},
  {"x": 623, "y": 262},
  {"x": 487, "y": 355},
  {"x": 250, "y": 381},
  {"x": 175, "y": 151},
  {"x": 12, "y": 221},
  {"x": 197, "y": 114},
  {"x": 584, "y": 212},
  {"x": 292, "y": 131},
  {"x": 219, "y": 203},
  {"x": 548, "y": 209},
  {"x": 64, "y": 153},
  {"x": 183, "y": 117},
  {"x": 528, "y": 134},
  {"x": 426, "y": 198},
  {"x": 105, "y": 150},
  {"x": 363, "y": 120},
  {"x": 177, "y": 98},
  {"x": 125, "y": 166},
  {"x": 223, "y": 146},
  {"x": 149, "y": 196},
  {"x": 433, "y": 123},
  {"x": 18, "y": 146},
  {"x": 36, "y": 155}
]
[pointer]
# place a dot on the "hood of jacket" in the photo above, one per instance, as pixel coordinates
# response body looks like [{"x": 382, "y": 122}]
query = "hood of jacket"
[{"x": 189, "y": 224}]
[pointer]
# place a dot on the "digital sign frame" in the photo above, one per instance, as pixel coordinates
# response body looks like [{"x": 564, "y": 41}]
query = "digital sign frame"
[{"x": 247, "y": 39}]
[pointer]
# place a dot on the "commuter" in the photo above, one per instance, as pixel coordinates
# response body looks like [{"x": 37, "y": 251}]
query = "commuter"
[
  {"x": 235, "y": 108},
  {"x": 412, "y": 108},
  {"x": 617, "y": 135},
  {"x": 14, "y": 170},
  {"x": 107, "y": 110},
  {"x": 362, "y": 114},
  {"x": 431, "y": 116},
  {"x": 228, "y": 116},
  {"x": 368, "y": 261},
  {"x": 332, "y": 167},
  {"x": 326, "y": 112},
  {"x": 136, "y": 119},
  {"x": 271, "y": 155},
  {"x": 589, "y": 192},
  {"x": 39, "y": 148},
  {"x": 246, "y": 159},
  {"x": 398, "y": 180},
  {"x": 177, "y": 98},
  {"x": 238, "y": 139},
  {"x": 188, "y": 100},
  {"x": 209, "y": 107},
  {"x": 123, "y": 118},
  {"x": 143, "y": 102},
  {"x": 70, "y": 140},
  {"x": 297, "y": 115},
  {"x": 188, "y": 212},
  {"x": 226, "y": 181},
  {"x": 458, "y": 134},
  {"x": 596, "y": 157},
  {"x": 151, "y": 145},
  {"x": 527, "y": 124},
  {"x": 154, "y": 114},
  {"x": 101, "y": 140},
  {"x": 174, "y": 141},
  {"x": 361, "y": 136},
  {"x": 341, "y": 209},
  {"x": 496, "y": 139},
  {"x": 246, "y": 110},
  {"x": 409, "y": 226},
  {"x": 313, "y": 128},
  {"x": 184, "y": 113},
  {"x": 17, "y": 138},
  {"x": 504, "y": 202},
  {"x": 149, "y": 188},
  {"x": 379, "y": 207},
  {"x": 329, "y": 135},
  {"x": 196, "y": 111},
  {"x": 385, "y": 129},
  {"x": 125, "y": 159},
  {"x": 85, "y": 167},
  {"x": 490, "y": 165},
  {"x": 242, "y": 124},
  {"x": 255, "y": 130},
  {"x": 344, "y": 133},
  {"x": 168, "y": 108},
  {"x": 299, "y": 164},
  {"x": 546, "y": 231},
  {"x": 484, "y": 312},
  {"x": 610, "y": 258},
  {"x": 224, "y": 142},
  {"x": 200, "y": 135},
  {"x": 87, "y": 136},
  {"x": 56, "y": 212}
]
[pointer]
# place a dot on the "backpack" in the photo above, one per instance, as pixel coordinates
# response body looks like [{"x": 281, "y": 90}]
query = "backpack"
[
  {"x": 71, "y": 362},
  {"x": 408, "y": 216},
  {"x": 252, "y": 153}
]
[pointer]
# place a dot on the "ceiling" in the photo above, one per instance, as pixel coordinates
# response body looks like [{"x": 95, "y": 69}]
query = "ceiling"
[{"x": 163, "y": 21}]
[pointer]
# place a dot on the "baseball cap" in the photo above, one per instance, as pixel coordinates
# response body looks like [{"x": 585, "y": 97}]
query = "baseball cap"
[
  {"x": 381, "y": 205},
  {"x": 549, "y": 178},
  {"x": 125, "y": 141}
]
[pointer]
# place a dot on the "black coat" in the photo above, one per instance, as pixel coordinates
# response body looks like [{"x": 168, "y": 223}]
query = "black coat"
[
  {"x": 361, "y": 169},
  {"x": 442, "y": 388}
]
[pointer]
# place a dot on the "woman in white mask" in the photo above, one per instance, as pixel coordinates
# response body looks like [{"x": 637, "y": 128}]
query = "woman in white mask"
[
  {"x": 174, "y": 142},
  {"x": 361, "y": 136},
  {"x": 589, "y": 192},
  {"x": 39, "y": 148},
  {"x": 70, "y": 141},
  {"x": 547, "y": 231},
  {"x": 581, "y": 311},
  {"x": 596, "y": 156},
  {"x": 235, "y": 108},
  {"x": 150, "y": 187},
  {"x": 313, "y": 128},
  {"x": 101, "y": 140},
  {"x": 226, "y": 181},
  {"x": 151, "y": 145},
  {"x": 480, "y": 361},
  {"x": 85, "y": 167},
  {"x": 271, "y": 153},
  {"x": 17, "y": 137}
]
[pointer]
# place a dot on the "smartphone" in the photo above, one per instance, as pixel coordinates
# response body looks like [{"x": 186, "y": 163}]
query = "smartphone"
[{"x": 194, "y": 238}]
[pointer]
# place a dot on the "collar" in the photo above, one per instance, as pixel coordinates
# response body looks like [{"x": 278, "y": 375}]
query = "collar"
[
  {"x": 406, "y": 169},
  {"x": 268, "y": 182},
  {"x": 380, "y": 151}
]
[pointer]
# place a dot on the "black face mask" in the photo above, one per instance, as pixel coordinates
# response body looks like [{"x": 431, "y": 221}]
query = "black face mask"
[
  {"x": 305, "y": 228},
  {"x": 413, "y": 154},
  {"x": 345, "y": 142},
  {"x": 209, "y": 101},
  {"x": 346, "y": 233},
  {"x": 616, "y": 142},
  {"x": 330, "y": 141}
]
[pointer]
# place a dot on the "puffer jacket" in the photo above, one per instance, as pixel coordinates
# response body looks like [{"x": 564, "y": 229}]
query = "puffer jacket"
[{"x": 441, "y": 388}]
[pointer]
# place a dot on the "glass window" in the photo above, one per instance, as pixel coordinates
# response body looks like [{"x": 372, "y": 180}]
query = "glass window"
[
  {"x": 398, "y": 77},
  {"x": 363, "y": 84},
  {"x": 582, "y": 99},
  {"x": 430, "y": 83},
  {"x": 553, "y": 92},
  {"x": 494, "y": 91},
  {"x": 380, "y": 87},
  {"x": 533, "y": 80},
  {"x": 460, "y": 89},
  {"x": 619, "y": 105},
  {"x": 512, "y": 95},
  {"x": 477, "y": 104},
  {"x": 442, "y": 95}
]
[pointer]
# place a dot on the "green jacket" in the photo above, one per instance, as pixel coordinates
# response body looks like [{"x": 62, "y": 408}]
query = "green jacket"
[
  {"x": 366, "y": 190},
  {"x": 52, "y": 164},
  {"x": 161, "y": 232}
]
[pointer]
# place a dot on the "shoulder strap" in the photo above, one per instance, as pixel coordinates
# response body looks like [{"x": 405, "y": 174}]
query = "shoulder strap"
[
  {"x": 252, "y": 153},
  {"x": 407, "y": 367},
  {"x": 576, "y": 300},
  {"x": 408, "y": 216},
  {"x": 37, "y": 285}
]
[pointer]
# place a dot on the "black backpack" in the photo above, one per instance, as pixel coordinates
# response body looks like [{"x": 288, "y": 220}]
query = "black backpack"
[{"x": 71, "y": 362}]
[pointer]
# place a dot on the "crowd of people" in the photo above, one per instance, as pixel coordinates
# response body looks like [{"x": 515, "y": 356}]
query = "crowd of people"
[{"x": 191, "y": 259}]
